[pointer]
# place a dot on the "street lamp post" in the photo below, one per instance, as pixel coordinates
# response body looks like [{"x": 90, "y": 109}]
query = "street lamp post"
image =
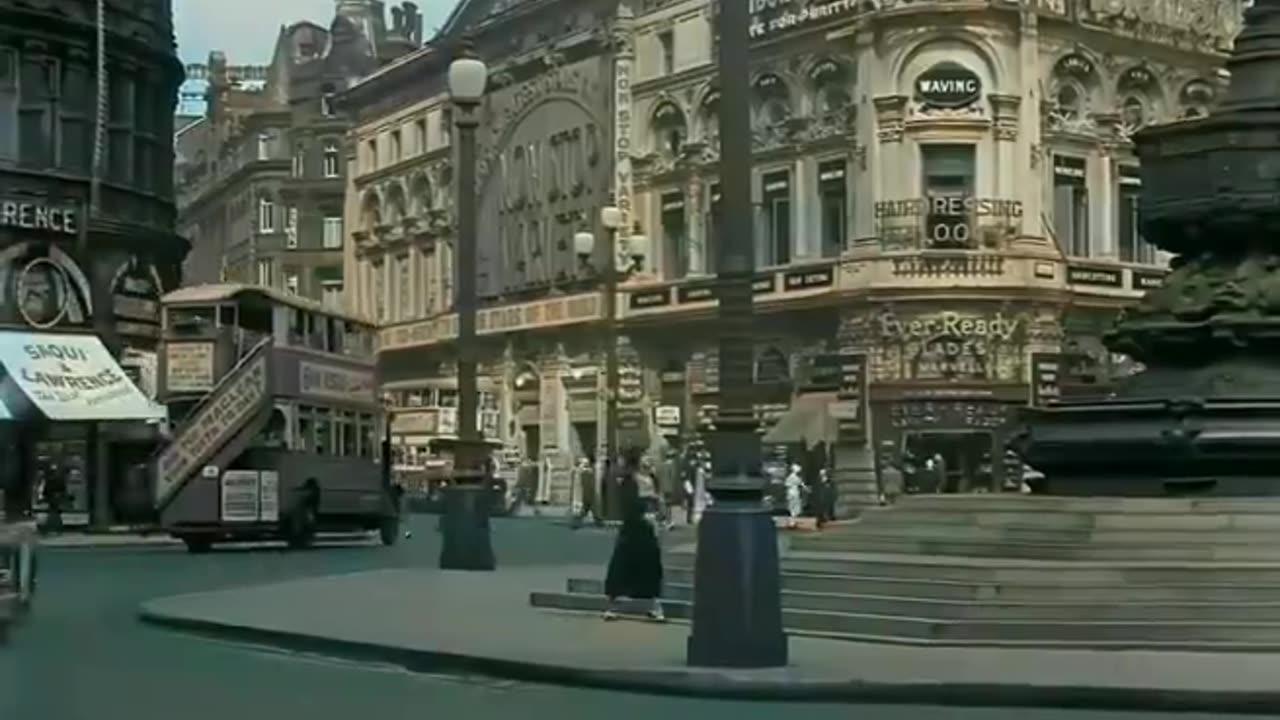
[
  {"x": 466, "y": 544},
  {"x": 737, "y": 607},
  {"x": 585, "y": 247}
]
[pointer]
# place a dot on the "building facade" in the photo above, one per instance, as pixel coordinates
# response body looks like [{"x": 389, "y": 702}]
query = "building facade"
[
  {"x": 87, "y": 238},
  {"x": 945, "y": 209},
  {"x": 261, "y": 178}
]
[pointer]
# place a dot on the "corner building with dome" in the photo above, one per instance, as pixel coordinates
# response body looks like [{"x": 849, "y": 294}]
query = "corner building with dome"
[{"x": 946, "y": 221}]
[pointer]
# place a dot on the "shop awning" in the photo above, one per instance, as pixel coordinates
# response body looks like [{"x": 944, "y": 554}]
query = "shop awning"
[
  {"x": 807, "y": 421},
  {"x": 68, "y": 378}
]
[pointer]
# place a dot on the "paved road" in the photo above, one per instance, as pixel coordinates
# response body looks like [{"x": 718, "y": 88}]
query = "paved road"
[{"x": 85, "y": 657}]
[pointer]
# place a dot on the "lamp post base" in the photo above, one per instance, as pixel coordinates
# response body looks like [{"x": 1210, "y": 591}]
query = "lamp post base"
[
  {"x": 737, "y": 599},
  {"x": 464, "y": 525}
]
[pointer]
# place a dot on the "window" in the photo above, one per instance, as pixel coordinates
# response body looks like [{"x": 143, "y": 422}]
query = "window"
[
  {"x": 349, "y": 428},
  {"x": 332, "y": 236},
  {"x": 948, "y": 179},
  {"x": 667, "y": 40},
  {"x": 8, "y": 105},
  {"x": 306, "y": 440},
  {"x": 675, "y": 234},
  {"x": 120, "y": 91},
  {"x": 331, "y": 294},
  {"x": 833, "y": 193},
  {"x": 291, "y": 228},
  {"x": 396, "y": 148},
  {"x": 1071, "y": 205},
  {"x": 378, "y": 286},
  {"x": 324, "y": 431},
  {"x": 266, "y": 273},
  {"x": 427, "y": 280},
  {"x": 291, "y": 283},
  {"x": 264, "y": 146},
  {"x": 330, "y": 159},
  {"x": 75, "y": 115},
  {"x": 299, "y": 160},
  {"x": 326, "y": 100},
  {"x": 266, "y": 215},
  {"x": 712, "y": 241},
  {"x": 403, "y": 308},
  {"x": 368, "y": 431},
  {"x": 420, "y": 135},
  {"x": 1133, "y": 247},
  {"x": 38, "y": 96},
  {"x": 371, "y": 155},
  {"x": 776, "y": 217}
]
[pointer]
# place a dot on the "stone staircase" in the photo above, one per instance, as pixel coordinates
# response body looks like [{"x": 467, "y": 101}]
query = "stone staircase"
[{"x": 1008, "y": 570}]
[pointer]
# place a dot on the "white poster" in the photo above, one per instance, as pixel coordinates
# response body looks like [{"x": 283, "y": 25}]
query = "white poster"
[
  {"x": 73, "y": 377},
  {"x": 240, "y": 496},
  {"x": 269, "y": 496},
  {"x": 188, "y": 367}
]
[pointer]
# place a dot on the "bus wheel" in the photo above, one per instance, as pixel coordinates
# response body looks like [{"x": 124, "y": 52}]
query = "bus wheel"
[
  {"x": 389, "y": 530},
  {"x": 197, "y": 545}
]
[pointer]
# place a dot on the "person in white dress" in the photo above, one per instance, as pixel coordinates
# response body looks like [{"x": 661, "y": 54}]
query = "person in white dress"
[{"x": 795, "y": 495}]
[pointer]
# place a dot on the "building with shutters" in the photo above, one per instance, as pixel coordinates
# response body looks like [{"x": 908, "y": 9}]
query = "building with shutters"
[{"x": 945, "y": 216}]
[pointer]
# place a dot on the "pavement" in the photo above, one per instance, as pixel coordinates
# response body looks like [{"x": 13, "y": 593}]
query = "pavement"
[{"x": 408, "y": 618}]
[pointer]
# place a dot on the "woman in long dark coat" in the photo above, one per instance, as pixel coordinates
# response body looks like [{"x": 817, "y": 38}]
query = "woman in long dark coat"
[{"x": 635, "y": 570}]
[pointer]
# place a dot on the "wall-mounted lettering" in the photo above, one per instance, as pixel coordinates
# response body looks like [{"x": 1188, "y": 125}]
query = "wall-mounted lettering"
[{"x": 1095, "y": 276}]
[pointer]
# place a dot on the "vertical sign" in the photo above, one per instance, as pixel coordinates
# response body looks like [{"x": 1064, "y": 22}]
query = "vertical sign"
[
  {"x": 622, "y": 72},
  {"x": 852, "y": 395},
  {"x": 1046, "y": 378}
]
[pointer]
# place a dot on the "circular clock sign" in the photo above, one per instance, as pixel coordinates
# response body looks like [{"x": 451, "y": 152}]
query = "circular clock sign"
[
  {"x": 44, "y": 293},
  {"x": 948, "y": 85}
]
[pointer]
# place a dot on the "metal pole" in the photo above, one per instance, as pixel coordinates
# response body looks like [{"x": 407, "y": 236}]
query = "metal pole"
[
  {"x": 737, "y": 609},
  {"x": 466, "y": 544},
  {"x": 610, "y": 499}
]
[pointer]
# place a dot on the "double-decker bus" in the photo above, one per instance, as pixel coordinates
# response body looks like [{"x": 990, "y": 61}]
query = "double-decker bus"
[{"x": 280, "y": 432}]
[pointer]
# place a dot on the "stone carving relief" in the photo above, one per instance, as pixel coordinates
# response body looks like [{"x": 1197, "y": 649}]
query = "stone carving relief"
[
  {"x": 1074, "y": 94},
  {"x": 1198, "y": 24}
]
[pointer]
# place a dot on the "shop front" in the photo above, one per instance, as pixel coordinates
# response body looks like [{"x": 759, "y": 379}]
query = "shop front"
[
  {"x": 57, "y": 393},
  {"x": 946, "y": 385}
]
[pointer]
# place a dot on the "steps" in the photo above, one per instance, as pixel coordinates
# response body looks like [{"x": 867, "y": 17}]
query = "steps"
[{"x": 1023, "y": 571}]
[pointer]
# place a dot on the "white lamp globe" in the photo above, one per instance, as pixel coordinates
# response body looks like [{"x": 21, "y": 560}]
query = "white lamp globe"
[
  {"x": 610, "y": 217},
  {"x": 584, "y": 243},
  {"x": 467, "y": 78},
  {"x": 638, "y": 244}
]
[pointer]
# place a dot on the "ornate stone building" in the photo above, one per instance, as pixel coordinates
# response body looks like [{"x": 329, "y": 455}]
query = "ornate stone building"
[
  {"x": 261, "y": 175},
  {"x": 945, "y": 197},
  {"x": 79, "y": 255}
]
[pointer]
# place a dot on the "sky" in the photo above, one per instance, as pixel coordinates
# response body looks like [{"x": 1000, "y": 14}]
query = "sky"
[{"x": 246, "y": 30}]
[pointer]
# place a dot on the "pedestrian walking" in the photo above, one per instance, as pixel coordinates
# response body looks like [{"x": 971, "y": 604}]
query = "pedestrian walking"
[
  {"x": 826, "y": 497},
  {"x": 55, "y": 492},
  {"x": 585, "y": 479},
  {"x": 795, "y": 488},
  {"x": 635, "y": 569}
]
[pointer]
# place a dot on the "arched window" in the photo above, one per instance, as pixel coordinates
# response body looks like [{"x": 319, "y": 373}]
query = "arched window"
[
  {"x": 1138, "y": 92},
  {"x": 831, "y": 87},
  {"x": 669, "y": 129},
  {"x": 370, "y": 211},
  {"x": 772, "y": 367},
  {"x": 396, "y": 204},
  {"x": 420, "y": 200},
  {"x": 1068, "y": 101},
  {"x": 772, "y": 101},
  {"x": 1195, "y": 98},
  {"x": 1073, "y": 90}
]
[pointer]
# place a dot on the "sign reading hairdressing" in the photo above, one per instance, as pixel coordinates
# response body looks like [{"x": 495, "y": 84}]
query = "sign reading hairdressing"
[
  {"x": 948, "y": 85},
  {"x": 944, "y": 220}
]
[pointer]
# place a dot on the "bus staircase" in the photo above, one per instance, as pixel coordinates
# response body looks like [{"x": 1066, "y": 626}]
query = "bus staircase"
[{"x": 217, "y": 430}]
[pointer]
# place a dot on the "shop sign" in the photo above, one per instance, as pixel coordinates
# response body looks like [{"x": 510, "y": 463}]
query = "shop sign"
[
  {"x": 948, "y": 85},
  {"x": 59, "y": 219},
  {"x": 764, "y": 284},
  {"x": 942, "y": 414},
  {"x": 807, "y": 279},
  {"x": 853, "y": 377},
  {"x": 335, "y": 383},
  {"x": 824, "y": 373},
  {"x": 769, "y": 17},
  {"x": 967, "y": 265},
  {"x": 423, "y": 332},
  {"x": 240, "y": 496},
  {"x": 72, "y": 377},
  {"x": 630, "y": 419},
  {"x": 948, "y": 220},
  {"x": 1046, "y": 378},
  {"x": 649, "y": 299},
  {"x": 200, "y": 438},
  {"x": 415, "y": 423},
  {"x": 950, "y": 324},
  {"x": 1095, "y": 276},
  {"x": 701, "y": 292},
  {"x": 1146, "y": 280},
  {"x": 540, "y": 314},
  {"x": 666, "y": 415},
  {"x": 188, "y": 366}
]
